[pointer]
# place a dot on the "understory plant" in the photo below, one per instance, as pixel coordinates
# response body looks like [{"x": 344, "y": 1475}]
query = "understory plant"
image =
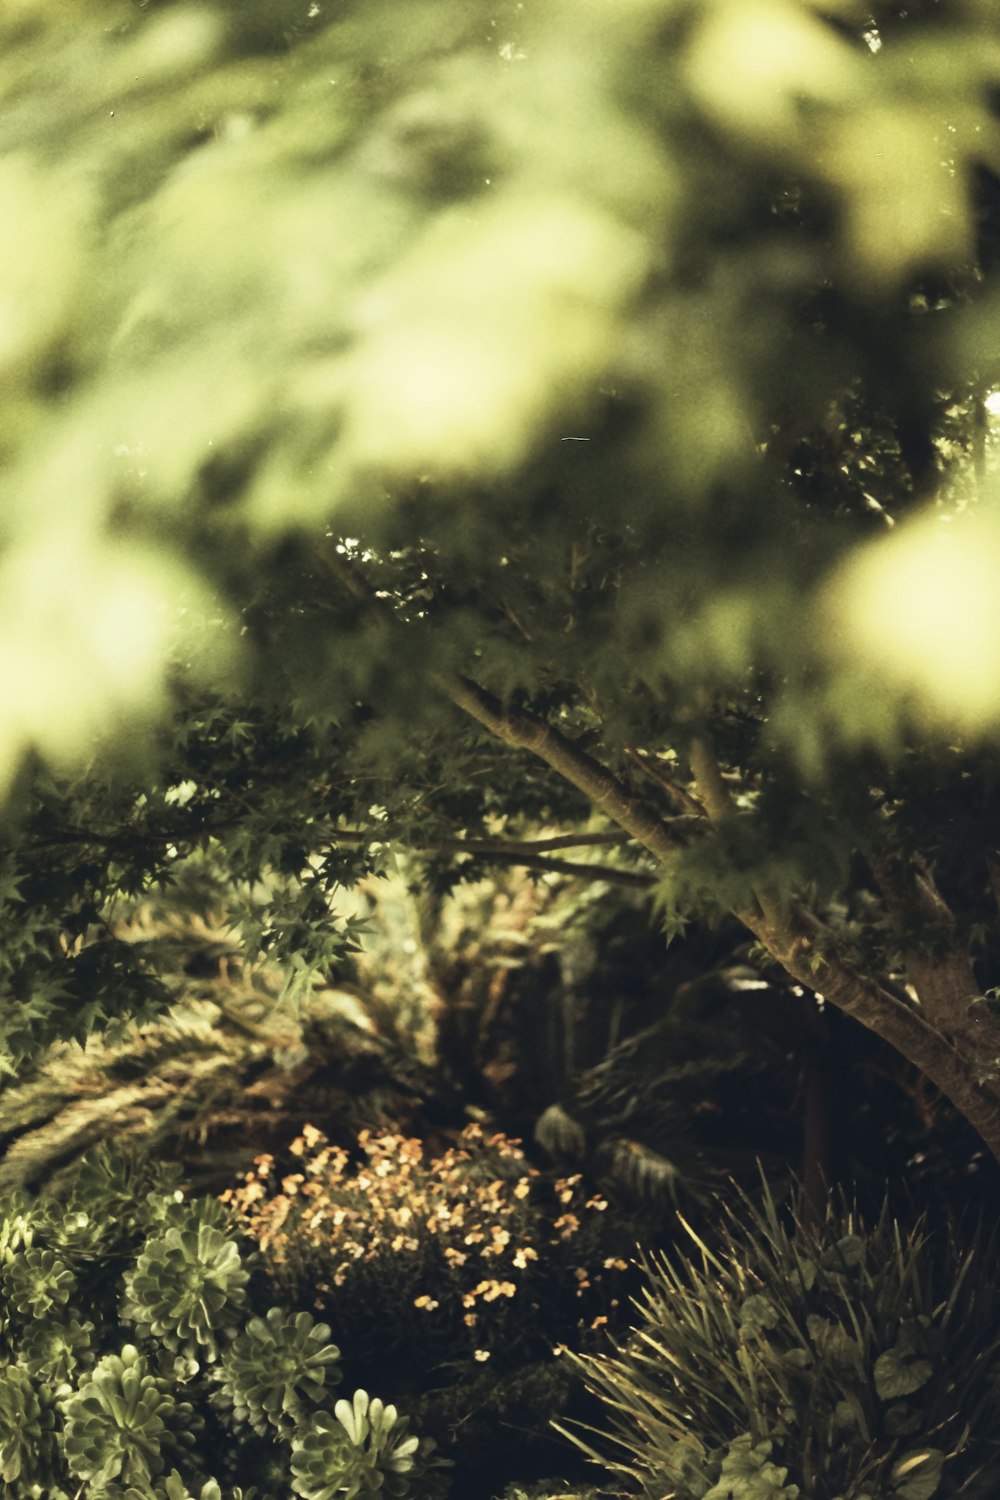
[
  {"x": 173, "y": 1381},
  {"x": 844, "y": 1361},
  {"x": 471, "y": 1254}
]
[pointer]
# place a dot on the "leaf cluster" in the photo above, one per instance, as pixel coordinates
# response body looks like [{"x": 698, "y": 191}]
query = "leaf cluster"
[
  {"x": 470, "y": 1253},
  {"x": 846, "y": 1362},
  {"x": 172, "y": 1376}
]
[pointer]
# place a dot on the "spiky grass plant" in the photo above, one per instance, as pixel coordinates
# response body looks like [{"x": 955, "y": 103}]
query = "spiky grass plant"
[{"x": 841, "y": 1363}]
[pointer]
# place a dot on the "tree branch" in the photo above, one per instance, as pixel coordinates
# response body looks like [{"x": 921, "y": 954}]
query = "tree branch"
[
  {"x": 708, "y": 777},
  {"x": 648, "y": 764},
  {"x": 782, "y": 933},
  {"x": 901, "y": 1025},
  {"x": 503, "y": 847},
  {"x": 939, "y": 966},
  {"x": 523, "y": 854},
  {"x": 611, "y": 873},
  {"x": 526, "y": 732}
]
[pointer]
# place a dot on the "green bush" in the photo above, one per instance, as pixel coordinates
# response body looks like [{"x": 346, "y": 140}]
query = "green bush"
[
  {"x": 173, "y": 1374},
  {"x": 470, "y": 1255},
  {"x": 842, "y": 1363}
]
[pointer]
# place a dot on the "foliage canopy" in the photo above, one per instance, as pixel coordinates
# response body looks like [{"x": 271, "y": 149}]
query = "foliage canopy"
[{"x": 427, "y": 423}]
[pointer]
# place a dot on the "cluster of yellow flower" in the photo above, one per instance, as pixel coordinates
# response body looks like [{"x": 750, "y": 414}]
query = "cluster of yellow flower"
[{"x": 469, "y": 1221}]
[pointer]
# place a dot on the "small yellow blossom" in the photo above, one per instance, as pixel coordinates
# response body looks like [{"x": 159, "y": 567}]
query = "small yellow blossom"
[
  {"x": 491, "y": 1290},
  {"x": 481, "y": 1354}
]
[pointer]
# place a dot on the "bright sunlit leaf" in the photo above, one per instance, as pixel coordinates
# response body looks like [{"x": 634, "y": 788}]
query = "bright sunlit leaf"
[
  {"x": 467, "y": 349},
  {"x": 920, "y": 609},
  {"x": 906, "y": 206},
  {"x": 754, "y": 61},
  {"x": 87, "y": 632},
  {"x": 42, "y": 259}
]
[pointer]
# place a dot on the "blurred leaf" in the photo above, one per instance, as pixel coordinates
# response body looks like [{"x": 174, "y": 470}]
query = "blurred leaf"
[{"x": 921, "y": 608}]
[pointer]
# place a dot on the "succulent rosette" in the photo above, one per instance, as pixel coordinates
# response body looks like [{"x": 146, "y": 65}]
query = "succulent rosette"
[
  {"x": 187, "y": 1286},
  {"x": 121, "y": 1423},
  {"x": 362, "y": 1451},
  {"x": 280, "y": 1368},
  {"x": 28, "y": 1447}
]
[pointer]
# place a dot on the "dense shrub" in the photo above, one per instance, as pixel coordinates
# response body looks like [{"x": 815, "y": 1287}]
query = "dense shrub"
[
  {"x": 471, "y": 1255},
  {"x": 842, "y": 1363}
]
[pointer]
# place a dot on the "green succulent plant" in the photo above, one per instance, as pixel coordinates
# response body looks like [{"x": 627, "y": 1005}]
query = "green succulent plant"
[
  {"x": 57, "y": 1352},
  {"x": 278, "y": 1370},
  {"x": 139, "y": 1424},
  {"x": 363, "y": 1450},
  {"x": 834, "y": 1363},
  {"x": 188, "y": 1285},
  {"x": 108, "y": 1198},
  {"x": 28, "y": 1446},
  {"x": 17, "y": 1214},
  {"x": 121, "y": 1422},
  {"x": 173, "y": 1487},
  {"x": 37, "y": 1283}
]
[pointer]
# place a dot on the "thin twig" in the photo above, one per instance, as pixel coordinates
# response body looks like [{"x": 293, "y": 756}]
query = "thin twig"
[
  {"x": 647, "y": 763},
  {"x": 502, "y": 847}
]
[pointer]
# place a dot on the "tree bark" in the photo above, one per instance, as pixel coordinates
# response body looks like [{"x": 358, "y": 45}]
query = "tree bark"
[
  {"x": 795, "y": 939},
  {"x": 783, "y": 936}
]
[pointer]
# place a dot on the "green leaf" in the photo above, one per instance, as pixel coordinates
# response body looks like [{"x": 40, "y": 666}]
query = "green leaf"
[
  {"x": 905, "y": 1367},
  {"x": 748, "y": 1474},
  {"x": 917, "y": 1474},
  {"x": 758, "y": 1314}
]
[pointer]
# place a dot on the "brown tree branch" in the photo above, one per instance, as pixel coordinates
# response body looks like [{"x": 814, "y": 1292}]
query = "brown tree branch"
[
  {"x": 523, "y": 854},
  {"x": 650, "y": 767},
  {"x": 791, "y": 941},
  {"x": 611, "y": 873},
  {"x": 901, "y": 1025},
  {"x": 502, "y": 847},
  {"x": 526, "y": 732},
  {"x": 936, "y": 959},
  {"x": 708, "y": 777}
]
